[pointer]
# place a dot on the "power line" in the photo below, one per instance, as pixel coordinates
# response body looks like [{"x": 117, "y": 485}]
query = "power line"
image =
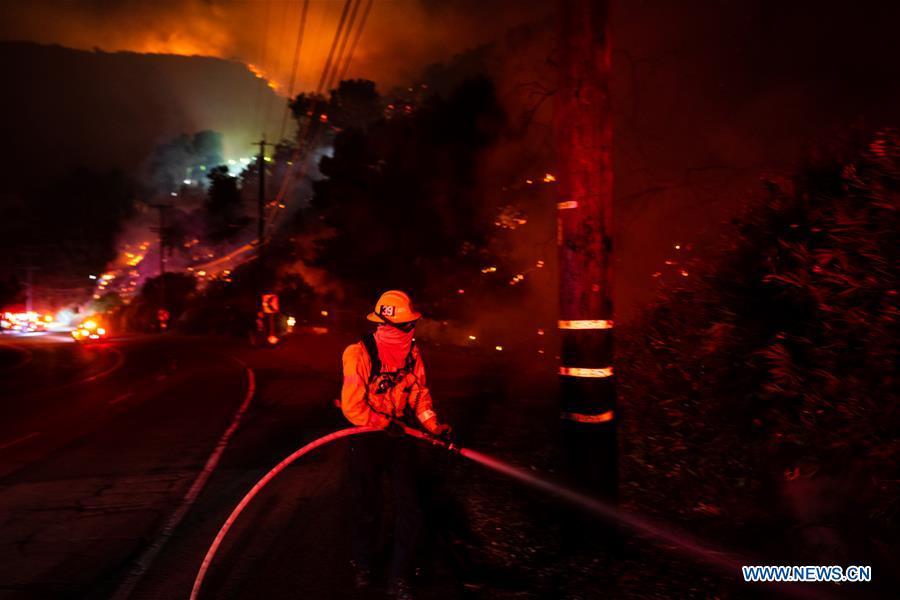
[
  {"x": 340, "y": 54},
  {"x": 264, "y": 46},
  {"x": 276, "y": 68},
  {"x": 308, "y": 135},
  {"x": 359, "y": 31},
  {"x": 334, "y": 43},
  {"x": 305, "y": 135},
  {"x": 298, "y": 47}
]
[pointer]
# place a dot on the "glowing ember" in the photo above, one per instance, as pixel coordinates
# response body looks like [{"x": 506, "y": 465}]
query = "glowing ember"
[{"x": 549, "y": 178}]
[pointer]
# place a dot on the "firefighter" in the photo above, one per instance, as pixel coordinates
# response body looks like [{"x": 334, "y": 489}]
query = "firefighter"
[{"x": 384, "y": 384}]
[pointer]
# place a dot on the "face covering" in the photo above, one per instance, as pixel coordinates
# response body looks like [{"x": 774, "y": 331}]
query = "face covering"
[{"x": 393, "y": 346}]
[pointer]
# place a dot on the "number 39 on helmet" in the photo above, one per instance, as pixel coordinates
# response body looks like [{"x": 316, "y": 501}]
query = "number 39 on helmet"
[{"x": 394, "y": 306}]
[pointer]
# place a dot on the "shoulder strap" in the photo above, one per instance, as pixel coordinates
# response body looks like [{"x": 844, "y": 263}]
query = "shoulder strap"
[
  {"x": 368, "y": 342},
  {"x": 411, "y": 357}
]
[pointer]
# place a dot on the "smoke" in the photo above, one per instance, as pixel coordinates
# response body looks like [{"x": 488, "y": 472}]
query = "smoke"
[{"x": 400, "y": 36}]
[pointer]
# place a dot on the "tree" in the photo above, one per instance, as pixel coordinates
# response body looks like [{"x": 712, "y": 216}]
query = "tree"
[
  {"x": 355, "y": 103},
  {"x": 766, "y": 377},
  {"x": 171, "y": 291},
  {"x": 224, "y": 209},
  {"x": 309, "y": 110},
  {"x": 401, "y": 196}
]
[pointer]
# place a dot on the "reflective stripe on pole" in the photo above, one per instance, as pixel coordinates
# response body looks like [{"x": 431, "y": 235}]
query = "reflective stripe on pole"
[
  {"x": 581, "y": 418},
  {"x": 580, "y": 372},
  {"x": 586, "y": 324}
]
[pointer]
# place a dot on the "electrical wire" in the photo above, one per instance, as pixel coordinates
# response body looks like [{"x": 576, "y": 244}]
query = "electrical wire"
[
  {"x": 264, "y": 46},
  {"x": 298, "y": 48},
  {"x": 308, "y": 139},
  {"x": 359, "y": 30},
  {"x": 276, "y": 69},
  {"x": 330, "y": 81},
  {"x": 304, "y": 134}
]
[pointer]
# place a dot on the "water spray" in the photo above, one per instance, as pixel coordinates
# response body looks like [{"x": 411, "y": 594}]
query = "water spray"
[{"x": 665, "y": 537}]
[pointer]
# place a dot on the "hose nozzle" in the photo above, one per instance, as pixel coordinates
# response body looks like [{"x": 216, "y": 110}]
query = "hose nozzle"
[{"x": 432, "y": 439}]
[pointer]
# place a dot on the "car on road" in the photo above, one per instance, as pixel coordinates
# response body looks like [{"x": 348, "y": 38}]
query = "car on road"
[{"x": 89, "y": 330}]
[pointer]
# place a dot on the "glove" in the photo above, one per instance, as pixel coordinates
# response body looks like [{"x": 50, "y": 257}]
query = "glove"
[{"x": 444, "y": 432}]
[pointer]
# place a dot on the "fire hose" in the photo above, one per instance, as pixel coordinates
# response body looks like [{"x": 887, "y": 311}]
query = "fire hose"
[
  {"x": 661, "y": 535},
  {"x": 223, "y": 531}
]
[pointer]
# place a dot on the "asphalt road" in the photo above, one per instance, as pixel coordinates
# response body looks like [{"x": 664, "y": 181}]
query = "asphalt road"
[{"x": 119, "y": 461}]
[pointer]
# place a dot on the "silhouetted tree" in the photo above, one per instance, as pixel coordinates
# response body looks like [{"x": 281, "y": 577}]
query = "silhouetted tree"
[
  {"x": 355, "y": 103},
  {"x": 172, "y": 291},
  {"x": 402, "y": 196},
  {"x": 763, "y": 386},
  {"x": 223, "y": 206}
]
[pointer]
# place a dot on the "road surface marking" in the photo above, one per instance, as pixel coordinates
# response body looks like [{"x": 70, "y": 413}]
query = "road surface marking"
[
  {"x": 145, "y": 560},
  {"x": 28, "y": 355},
  {"x": 120, "y": 360},
  {"x": 122, "y": 397},
  {"x": 12, "y": 443}
]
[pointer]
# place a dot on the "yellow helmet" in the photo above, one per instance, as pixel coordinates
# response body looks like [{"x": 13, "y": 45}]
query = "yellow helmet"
[{"x": 394, "y": 307}]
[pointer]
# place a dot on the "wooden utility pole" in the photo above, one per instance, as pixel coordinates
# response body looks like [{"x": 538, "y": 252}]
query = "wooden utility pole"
[
  {"x": 583, "y": 130},
  {"x": 162, "y": 231},
  {"x": 261, "y": 197},
  {"x": 161, "y": 235}
]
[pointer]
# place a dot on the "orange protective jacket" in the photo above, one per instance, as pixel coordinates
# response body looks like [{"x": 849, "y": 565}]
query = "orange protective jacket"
[{"x": 363, "y": 405}]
